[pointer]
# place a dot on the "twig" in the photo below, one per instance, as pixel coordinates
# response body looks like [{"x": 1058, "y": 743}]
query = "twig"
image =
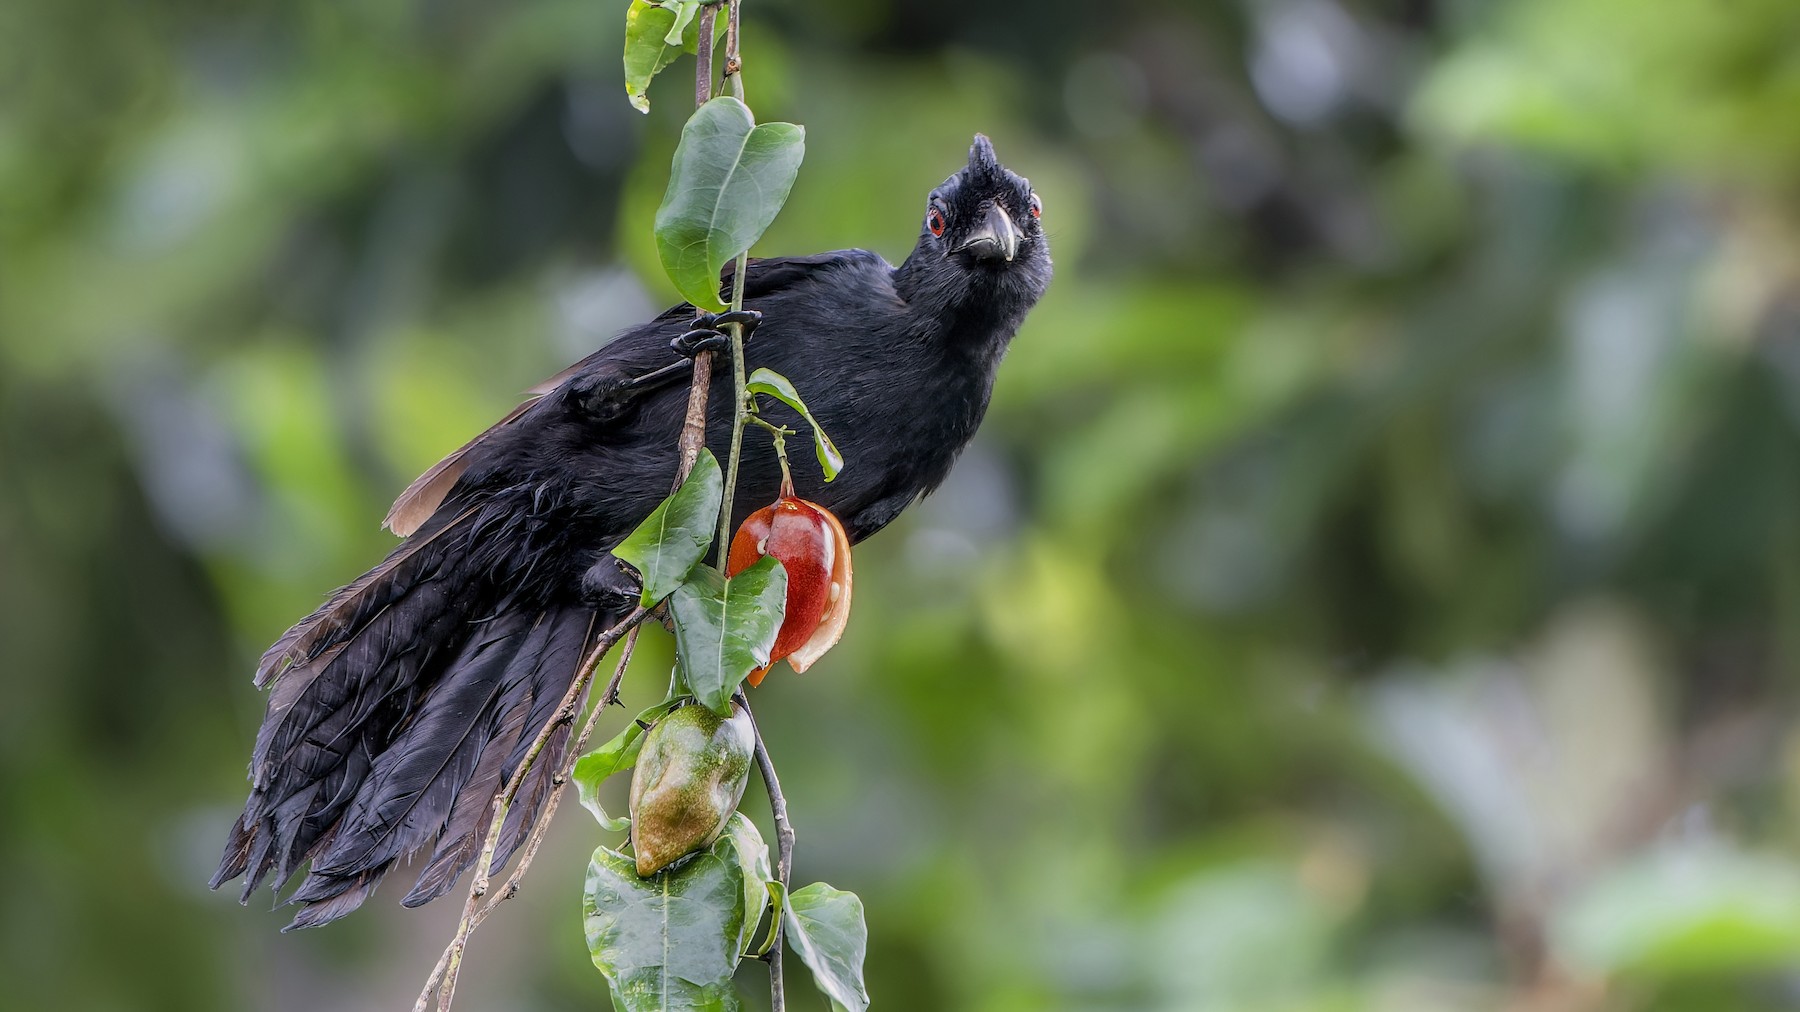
[
  {"x": 784, "y": 854},
  {"x": 733, "y": 58},
  {"x": 778, "y": 435},
  {"x": 693, "y": 426},
  {"x": 442, "y": 981},
  {"x": 607, "y": 698},
  {"x": 740, "y": 407},
  {"x": 784, "y": 830},
  {"x": 693, "y": 429},
  {"x": 739, "y": 413},
  {"x": 703, "y": 53}
]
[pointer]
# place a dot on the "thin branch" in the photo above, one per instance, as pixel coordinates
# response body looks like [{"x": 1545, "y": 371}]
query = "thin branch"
[
  {"x": 693, "y": 426},
  {"x": 778, "y": 435},
  {"x": 784, "y": 830},
  {"x": 442, "y": 980},
  {"x": 740, "y": 406},
  {"x": 734, "y": 61},
  {"x": 741, "y": 410},
  {"x": 608, "y": 697},
  {"x": 703, "y": 54},
  {"x": 784, "y": 854}
]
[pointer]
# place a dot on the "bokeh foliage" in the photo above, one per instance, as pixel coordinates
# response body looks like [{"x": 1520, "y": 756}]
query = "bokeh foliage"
[{"x": 1376, "y": 585}]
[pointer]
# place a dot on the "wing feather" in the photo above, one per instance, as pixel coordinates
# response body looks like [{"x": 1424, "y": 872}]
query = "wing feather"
[{"x": 421, "y": 499}]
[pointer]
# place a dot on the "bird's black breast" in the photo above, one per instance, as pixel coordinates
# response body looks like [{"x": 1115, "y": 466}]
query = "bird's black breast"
[{"x": 899, "y": 403}]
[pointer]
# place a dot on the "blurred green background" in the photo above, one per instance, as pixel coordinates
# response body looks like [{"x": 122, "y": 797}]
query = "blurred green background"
[{"x": 1376, "y": 586}]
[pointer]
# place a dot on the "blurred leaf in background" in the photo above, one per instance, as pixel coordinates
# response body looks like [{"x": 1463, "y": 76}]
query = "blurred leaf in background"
[{"x": 1376, "y": 585}]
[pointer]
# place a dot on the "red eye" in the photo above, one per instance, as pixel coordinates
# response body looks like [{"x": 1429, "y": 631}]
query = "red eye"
[
  {"x": 1037, "y": 207},
  {"x": 935, "y": 222}
]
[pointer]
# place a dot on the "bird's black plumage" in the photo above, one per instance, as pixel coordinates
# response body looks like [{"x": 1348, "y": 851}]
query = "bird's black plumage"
[{"x": 401, "y": 704}]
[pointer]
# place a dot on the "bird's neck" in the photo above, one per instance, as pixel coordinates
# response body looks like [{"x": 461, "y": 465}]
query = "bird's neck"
[{"x": 970, "y": 315}]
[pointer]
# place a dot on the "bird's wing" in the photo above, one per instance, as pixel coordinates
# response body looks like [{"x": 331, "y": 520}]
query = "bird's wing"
[
  {"x": 769, "y": 275},
  {"x": 421, "y": 499},
  {"x": 766, "y": 277}
]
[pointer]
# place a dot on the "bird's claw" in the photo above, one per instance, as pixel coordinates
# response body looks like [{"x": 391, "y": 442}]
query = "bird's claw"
[
  {"x": 747, "y": 319},
  {"x": 607, "y": 582},
  {"x": 692, "y": 343},
  {"x": 709, "y": 332}
]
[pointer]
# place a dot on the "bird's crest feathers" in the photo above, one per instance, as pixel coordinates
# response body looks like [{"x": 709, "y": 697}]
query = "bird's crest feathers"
[
  {"x": 984, "y": 176},
  {"x": 981, "y": 153}
]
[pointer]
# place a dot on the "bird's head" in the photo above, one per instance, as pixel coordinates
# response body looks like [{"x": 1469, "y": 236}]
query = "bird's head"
[{"x": 982, "y": 237}]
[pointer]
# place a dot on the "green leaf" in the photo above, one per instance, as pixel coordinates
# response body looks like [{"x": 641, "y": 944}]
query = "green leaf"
[
  {"x": 746, "y": 842},
  {"x": 676, "y": 534},
  {"x": 596, "y": 767},
  {"x": 778, "y": 901},
  {"x": 768, "y": 381},
  {"x": 724, "y": 629},
  {"x": 616, "y": 756},
  {"x": 728, "y": 180},
  {"x": 685, "y": 10},
  {"x": 670, "y": 941},
  {"x": 656, "y": 34},
  {"x": 826, "y": 927}
]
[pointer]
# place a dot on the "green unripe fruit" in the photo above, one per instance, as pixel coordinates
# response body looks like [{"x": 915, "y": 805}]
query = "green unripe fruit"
[{"x": 690, "y": 776}]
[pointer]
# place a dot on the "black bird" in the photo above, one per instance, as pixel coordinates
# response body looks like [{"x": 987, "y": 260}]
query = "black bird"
[{"x": 400, "y": 705}]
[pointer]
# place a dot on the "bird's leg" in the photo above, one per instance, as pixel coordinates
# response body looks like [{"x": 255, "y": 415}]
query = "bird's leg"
[
  {"x": 608, "y": 394},
  {"x": 709, "y": 332},
  {"x": 607, "y": 585}
]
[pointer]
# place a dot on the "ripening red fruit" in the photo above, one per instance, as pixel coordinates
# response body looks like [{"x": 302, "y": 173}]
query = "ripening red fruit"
[{"x": 812, "y": 547}]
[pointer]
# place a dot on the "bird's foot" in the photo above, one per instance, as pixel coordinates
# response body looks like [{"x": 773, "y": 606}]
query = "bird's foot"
[
  {"x": 608, "y": 396},
  {"x": 607, "y": 584},
  {"x": 709, "y": 332}
]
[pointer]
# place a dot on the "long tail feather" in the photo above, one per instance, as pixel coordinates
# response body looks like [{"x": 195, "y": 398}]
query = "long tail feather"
[
  {"x": 346, "y": 611},
  {"x": 539, "y": 677},
  {"x": 407, "y": 796},
  {"x": 398, "y": 709}
]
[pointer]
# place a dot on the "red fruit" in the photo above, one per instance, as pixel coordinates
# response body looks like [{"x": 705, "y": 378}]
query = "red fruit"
[{"x": 814, "y": 550}]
